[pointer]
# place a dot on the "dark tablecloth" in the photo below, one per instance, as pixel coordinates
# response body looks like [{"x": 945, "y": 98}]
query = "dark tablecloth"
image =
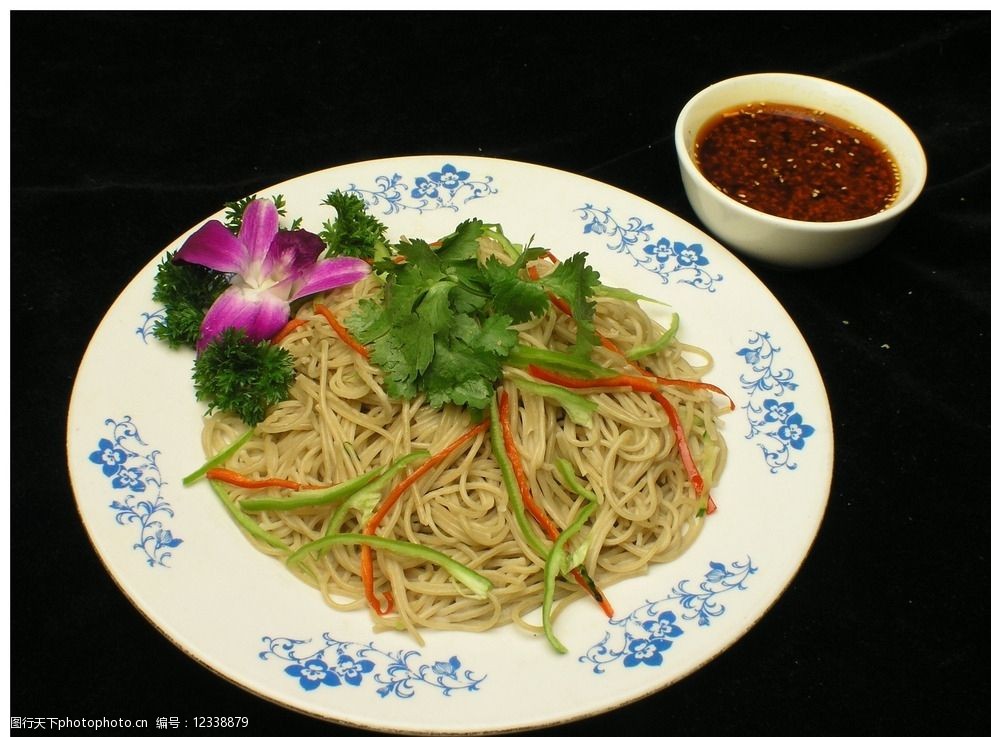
[{"x": 128, "y": 128}]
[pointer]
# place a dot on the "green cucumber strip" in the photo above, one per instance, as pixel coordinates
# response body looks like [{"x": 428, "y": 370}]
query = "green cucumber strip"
[
  {"x": 580, "y": 408},
  {"x": 648, "y": 349},
  {"x": 522, "y": 356},
  {"x": 246, "y": 522},
  {"x": 603, "y": 290},
  {"x": 494, "y": 231},
  {"x": 570, "y": 479},
  {"x": 476, "y": 582},
  {"x": 509, "y": 478},
  {"x": 373, "y": 489},
  {"x": 330, "y": 495},
  {"x": 552, "y": 569},
  {"x": 220, "y": 458}
]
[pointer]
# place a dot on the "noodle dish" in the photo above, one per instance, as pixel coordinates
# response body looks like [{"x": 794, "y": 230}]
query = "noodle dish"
[{"x": 450, "y": 431}]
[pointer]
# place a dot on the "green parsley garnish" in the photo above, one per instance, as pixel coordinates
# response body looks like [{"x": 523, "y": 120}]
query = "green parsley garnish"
[
  {"x": 354, "y": 232},
  {"x": 234, "y": 211},
  {"x": 186, "y": 291},
  {"x": 242, "y": 377}
]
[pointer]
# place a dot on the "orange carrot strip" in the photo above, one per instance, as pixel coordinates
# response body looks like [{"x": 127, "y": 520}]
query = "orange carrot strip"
[
  {"x": 296, "y": 322},
  {"x": 646, "y": 382},
  {"x": 683, "y": 450},
  {"x": 342, "y": 332},
  {"x": 550, "y": 529},
  {"x": 432, "y": 461},
  {"x": 641, "y": 384},
  {"x": 597, "y": 594},
  {"x": 609, "y": 345},
  {"x": 688, "y": 384},
  {"x": 638, "y": 383},
  {"x": 367, "y": 574},
  {"x": 235, "y": 479},
  {"x": 517, "y": 463}
]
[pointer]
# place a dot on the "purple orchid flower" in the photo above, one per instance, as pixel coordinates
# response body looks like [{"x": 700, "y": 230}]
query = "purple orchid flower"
[{"x": 270, "y": 268}]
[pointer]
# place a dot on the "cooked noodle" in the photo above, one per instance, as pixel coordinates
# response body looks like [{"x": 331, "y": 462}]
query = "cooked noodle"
[{"x": 339, "y": 423}]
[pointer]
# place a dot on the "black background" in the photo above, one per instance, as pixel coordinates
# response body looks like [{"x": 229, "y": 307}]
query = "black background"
[{"x": 128, "y": 128}]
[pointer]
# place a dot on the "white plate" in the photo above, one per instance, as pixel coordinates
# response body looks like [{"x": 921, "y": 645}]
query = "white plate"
[{"x": 133, "y": 433}]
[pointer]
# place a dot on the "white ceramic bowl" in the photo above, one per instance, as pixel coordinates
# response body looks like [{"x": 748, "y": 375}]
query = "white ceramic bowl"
[{"x": 778, "y": 240}]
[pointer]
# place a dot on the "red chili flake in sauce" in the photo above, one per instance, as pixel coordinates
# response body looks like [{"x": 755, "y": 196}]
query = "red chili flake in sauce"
[{"x": 796, "y": 163}]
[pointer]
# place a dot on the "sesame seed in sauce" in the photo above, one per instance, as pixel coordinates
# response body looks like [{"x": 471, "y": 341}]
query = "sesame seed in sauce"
[{"x": 744, "y": 151}]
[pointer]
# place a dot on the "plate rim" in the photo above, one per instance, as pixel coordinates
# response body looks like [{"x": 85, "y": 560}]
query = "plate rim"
[{"x": 825, "y": 423}]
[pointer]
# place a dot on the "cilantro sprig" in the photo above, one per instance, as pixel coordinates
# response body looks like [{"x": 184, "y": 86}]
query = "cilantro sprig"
[
  {"x": 443, "y": 325},
  {"x": 574, "y": 282}
]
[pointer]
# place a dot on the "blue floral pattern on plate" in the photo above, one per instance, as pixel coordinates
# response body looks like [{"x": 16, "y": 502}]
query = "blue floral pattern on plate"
[
  {"x": 132, "y": 470},
  {"x": 660, "y": 256},
  {"x": 775, "y": 424},
  {"x": 448, "y": 187},
  {"x": 148, "y": 322},
  {"x": 645, "y": 634},
  {"x": 339, "y": 663}
]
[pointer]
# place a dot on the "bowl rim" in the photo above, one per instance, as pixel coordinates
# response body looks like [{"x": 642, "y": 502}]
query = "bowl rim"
[{"x": 905, "y": 200}]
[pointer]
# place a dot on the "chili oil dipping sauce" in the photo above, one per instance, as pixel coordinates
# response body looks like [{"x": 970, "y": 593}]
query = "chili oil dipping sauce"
[
  {"x": 797, "y": 163},
  {"x": 795, "y": 170}
]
